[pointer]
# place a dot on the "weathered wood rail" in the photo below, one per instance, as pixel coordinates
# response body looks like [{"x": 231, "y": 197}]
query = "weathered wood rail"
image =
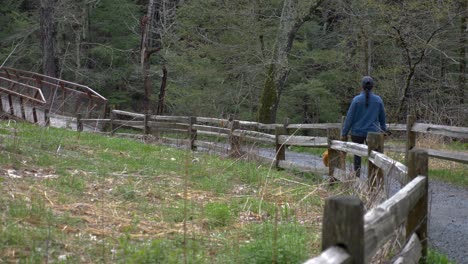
[
  {"x": 350, "y": 236},
  {"x": 277, "y": 134},
  {"x": 23, "y": 90}
]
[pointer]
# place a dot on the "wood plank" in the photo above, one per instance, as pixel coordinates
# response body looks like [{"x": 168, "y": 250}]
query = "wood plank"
[
  {"x": 380, "y": 222},
  {"x": 211, "y": 129},
  {"x": 461, "y": 157},
  {"x": 314, "y": 126},
  {"x": 418, "y": 164},
  {"x": 269, "y": 126},
  {"x": 208, "y": 133},
  {"x": 249, "y": 123},
  {"x": 411, "y": 253},
  {"x": 396, "y": 127},
  {"x": 176, "y": 119},
  {"x": 448, "y": 131},
  {"x": 392, "y": 168},
  {"x": 410, "y": 135},
  {"x": 303, "y": 141},
  {"x": 95, "y": 120},
  {"x": 125, "y": 113},
  {"x": 216, "y": 121},
  {"x": 128, "y": 123},
  {"x": 375, "y": 142},
  {"x": 161, "y": 125},
  {"x": 254, "y": 135},
  {"x": 343, "y": 225},
  {"x": 350, "y": 147},
  {"x": 332, "y": 255}
]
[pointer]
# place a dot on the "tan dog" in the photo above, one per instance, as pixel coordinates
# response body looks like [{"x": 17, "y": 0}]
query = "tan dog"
[{"x": 325, "y": 158}]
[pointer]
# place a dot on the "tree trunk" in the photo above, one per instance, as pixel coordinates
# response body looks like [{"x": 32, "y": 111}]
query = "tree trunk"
[
  {"x": 48, "y": 27},
  {"x": 162, "y": 92},
  {"x": 462, "y": 77},
  {"x": 290, "y": 22},
  {"x": 160, "y": 13}
]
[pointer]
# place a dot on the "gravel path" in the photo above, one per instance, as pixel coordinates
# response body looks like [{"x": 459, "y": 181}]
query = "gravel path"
[{"x": 448, "y": 220}]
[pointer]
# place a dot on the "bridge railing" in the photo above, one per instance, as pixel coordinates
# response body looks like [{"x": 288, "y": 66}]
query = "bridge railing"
[
  {"x": 22, "y": 101},
  {"x": 61, "y": 97}
]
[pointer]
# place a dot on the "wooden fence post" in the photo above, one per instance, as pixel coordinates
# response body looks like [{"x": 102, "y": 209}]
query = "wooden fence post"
[
  {"x": 335, "y": 158},
  {"x": 46, "y": 117},
  {"x": 410, "y": 135},
  {"x": 192, "y": 133},
  {"x": 375, "y": 142},
  {"x": 343, "y": 225},
  {"x": 418, "y": 164},
  {"x": 280, "y": 153},
  {"x": 111, "y": 122},
  {"x": 234, "y": 141},
  {"x": 146, "y": 129},
  {"x": 23, "y": 113},
  {"x": 10, "y": 101},
  {"x": 34, "y": 113},
  {"x": 79, "y": 123}
]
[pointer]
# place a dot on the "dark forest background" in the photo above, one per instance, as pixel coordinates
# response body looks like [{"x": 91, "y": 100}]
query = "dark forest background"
[{"x": 260, "y": 60}]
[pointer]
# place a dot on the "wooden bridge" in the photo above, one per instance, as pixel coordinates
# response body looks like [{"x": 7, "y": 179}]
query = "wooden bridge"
[
  {"x": 349, "y": 235},
  {"x": 37, "y": 98}
]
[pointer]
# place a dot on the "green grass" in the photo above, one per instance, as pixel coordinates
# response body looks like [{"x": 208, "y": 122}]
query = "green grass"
[
  {"x": 91, "y": 198},
  {"x": 435, "y": 257},
  {"x": 456, "y": 176}
]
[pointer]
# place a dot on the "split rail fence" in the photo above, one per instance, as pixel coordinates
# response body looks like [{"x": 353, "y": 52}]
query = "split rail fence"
[{"x": 349, "y": 235}]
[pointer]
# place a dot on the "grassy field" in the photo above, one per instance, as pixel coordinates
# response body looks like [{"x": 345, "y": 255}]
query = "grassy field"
[{"x": 69, "y": 197}]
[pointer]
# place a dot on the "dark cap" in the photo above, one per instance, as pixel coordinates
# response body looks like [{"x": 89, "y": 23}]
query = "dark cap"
[{"x": 367, "y": 82}]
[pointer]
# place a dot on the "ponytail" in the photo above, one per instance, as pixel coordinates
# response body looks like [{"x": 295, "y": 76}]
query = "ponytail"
[{"x": 367, "y": 96}]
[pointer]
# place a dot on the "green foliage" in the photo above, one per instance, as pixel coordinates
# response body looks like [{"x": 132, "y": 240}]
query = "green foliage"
[
  {"x": 435, "y": 257},
  {"x": 291, "y": 244},
  {"x": 455, "y": 176},
  {"x": 314, "y": 101},
  {"x": 218, "y": 214}
]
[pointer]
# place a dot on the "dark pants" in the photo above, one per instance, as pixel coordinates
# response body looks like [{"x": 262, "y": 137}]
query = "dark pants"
[{"x": 357, "y": 159}]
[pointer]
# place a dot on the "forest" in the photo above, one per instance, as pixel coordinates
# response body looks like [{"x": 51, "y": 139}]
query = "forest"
[{"x": 267, "y": 61}]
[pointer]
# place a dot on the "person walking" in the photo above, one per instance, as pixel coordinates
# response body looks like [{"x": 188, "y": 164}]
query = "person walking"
[{"x": 366, "y": 114}]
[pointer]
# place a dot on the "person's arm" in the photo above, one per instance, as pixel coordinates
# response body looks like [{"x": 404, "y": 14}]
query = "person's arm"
[
  {"x": 383, "y": 124},
  {"x": 349, "y": 119}
]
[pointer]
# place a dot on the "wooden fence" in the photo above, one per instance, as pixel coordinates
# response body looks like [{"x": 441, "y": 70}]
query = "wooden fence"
[
  {"x": 236, "y": 132},
  {"x": 349, "y": 235}
]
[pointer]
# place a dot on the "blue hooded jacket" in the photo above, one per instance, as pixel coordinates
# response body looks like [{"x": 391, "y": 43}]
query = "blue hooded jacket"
[{"x": 361, "y": 119}]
